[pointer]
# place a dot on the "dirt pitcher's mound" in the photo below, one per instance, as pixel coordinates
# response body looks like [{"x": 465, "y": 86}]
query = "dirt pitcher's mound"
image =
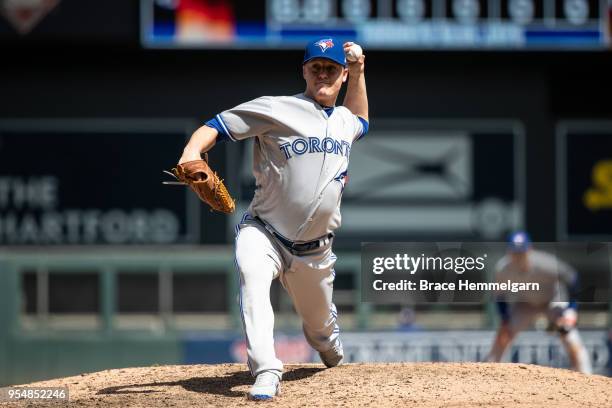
[{"x": 372, "y": 385}]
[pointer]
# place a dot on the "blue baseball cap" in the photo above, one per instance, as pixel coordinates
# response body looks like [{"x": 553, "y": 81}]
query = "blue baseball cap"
[
  {"x": 328, "y": 48},
  {"x": 519, "y": 241}
]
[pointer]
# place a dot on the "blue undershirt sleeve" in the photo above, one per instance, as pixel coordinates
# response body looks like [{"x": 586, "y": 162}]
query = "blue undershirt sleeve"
[
  {"x": 215, "y": 124},
  {"x": 366, "y": 127}
]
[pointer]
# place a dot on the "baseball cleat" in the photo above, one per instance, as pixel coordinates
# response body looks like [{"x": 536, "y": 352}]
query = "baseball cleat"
[
  {"x": 333, "y": 356},
  {"x": 266, "y": 387}
]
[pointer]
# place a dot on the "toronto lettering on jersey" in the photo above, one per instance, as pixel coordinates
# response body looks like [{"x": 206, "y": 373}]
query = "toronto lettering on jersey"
[{"x": 303, "y": 145}]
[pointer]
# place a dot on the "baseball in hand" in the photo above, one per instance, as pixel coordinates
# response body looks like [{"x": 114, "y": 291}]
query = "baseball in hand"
[{"x": 353, "y": 53}]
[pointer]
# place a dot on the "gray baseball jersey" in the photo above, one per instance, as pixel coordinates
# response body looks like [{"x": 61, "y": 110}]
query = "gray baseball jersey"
[
  {"x": 300, "y": 160},
  {"x": 553, "y": 275}
]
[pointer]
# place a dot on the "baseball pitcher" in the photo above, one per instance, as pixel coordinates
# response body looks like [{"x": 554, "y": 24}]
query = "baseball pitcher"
[{"x": 302, "y": 145}]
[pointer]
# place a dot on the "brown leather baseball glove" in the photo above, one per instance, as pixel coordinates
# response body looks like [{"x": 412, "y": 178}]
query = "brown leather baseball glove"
[{"x": 205, "y": 183}]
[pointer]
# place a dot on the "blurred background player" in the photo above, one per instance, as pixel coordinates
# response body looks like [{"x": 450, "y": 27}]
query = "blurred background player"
[
  {"x": 556, "y": 299},
  {"x": 406, "y": 320}
]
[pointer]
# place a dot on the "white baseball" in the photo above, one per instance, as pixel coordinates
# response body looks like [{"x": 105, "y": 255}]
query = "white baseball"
[{"x": 353, "y": 53}]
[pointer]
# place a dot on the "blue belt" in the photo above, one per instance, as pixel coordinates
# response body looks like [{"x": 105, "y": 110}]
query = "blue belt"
[{"x": 297, "y": 247}]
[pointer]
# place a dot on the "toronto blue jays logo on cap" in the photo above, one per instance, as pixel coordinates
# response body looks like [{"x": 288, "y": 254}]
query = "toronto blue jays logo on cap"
[
  {"x": 325, "y": 48},
  {"x": 325, "y": 44}
]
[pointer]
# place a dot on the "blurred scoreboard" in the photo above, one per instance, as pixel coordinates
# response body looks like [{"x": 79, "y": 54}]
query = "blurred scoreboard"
[{"x": 378, "y": 24}]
